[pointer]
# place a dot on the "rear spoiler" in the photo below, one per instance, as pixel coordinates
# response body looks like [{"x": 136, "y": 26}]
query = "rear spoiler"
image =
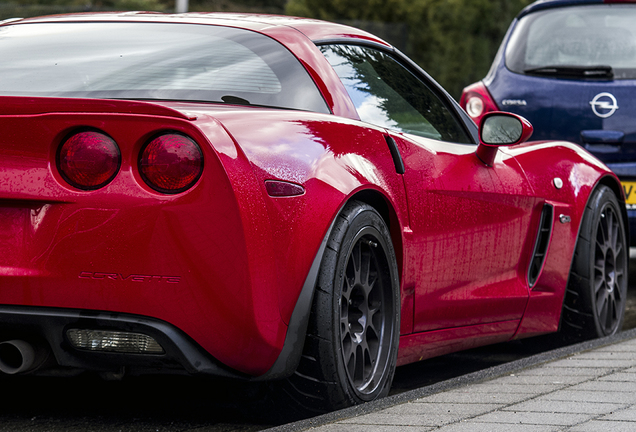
[{"x": 24, "y": 105}]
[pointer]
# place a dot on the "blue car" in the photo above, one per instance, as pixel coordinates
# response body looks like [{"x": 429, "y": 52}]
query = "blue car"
[{"x": 569, "y": 66}]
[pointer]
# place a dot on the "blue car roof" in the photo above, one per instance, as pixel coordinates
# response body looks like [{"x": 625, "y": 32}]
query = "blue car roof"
[{"x": 548, "y": 4}]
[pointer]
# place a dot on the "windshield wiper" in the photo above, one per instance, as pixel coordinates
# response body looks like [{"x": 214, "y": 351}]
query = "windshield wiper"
[{"x": 599, "y": 71}]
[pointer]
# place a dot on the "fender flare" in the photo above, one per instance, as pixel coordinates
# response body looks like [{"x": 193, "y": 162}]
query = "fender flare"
[
  {"x": 291, "y": 353},
  {"x": 289, "y": 357}
]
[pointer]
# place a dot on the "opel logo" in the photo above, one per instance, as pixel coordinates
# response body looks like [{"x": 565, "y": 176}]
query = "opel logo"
[{"x": 604, "y": 105}]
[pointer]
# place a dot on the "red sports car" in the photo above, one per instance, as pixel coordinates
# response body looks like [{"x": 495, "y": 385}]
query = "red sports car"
[{"x": 273, "y": 198}]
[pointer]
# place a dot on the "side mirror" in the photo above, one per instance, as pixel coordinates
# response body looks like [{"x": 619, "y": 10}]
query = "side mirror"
[{"x": 500, "y": 129}]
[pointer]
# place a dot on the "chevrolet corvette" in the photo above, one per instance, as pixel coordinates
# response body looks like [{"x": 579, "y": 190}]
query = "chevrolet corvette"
[{"x": 267, "y": 198}]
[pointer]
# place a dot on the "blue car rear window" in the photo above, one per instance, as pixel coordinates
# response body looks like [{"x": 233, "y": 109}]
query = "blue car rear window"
[
  {"x": 184, "y": 62},
  {"x": 590, "y": 39}
]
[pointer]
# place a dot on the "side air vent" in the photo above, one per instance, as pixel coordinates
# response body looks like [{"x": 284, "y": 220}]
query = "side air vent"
[{"x": 541, "y": 245}]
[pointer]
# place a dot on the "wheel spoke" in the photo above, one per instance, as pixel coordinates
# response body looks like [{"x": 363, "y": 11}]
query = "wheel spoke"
[
  {"x": 367, "y": 369},
  {"x": 348, "y": 349},
  {"x": 613, "y": 228},
  {"x": 611, "y": 313},
  {"x": 375, "y": 318},
  {"x": 602, "y": 305},
  {"x": 599, "y": 283},
  {"x": 359, "y": 366},
  {"x": 368, "y": 274},
  {"x": 618, "y": 249},
  {"x": 616, "y": 292},
  {"x": 599, "y": 261},
  {"x": 601, "y": 237},
  {"x": 365, "y": 264},
  {"x": 346, "y": 290},
  {"x": 356, "y": 261},
  {"x": 366, "y": 363},
  {"x": 372, "y": 334},
  {"x": 351, "y": 360},
  {"x": 368, "y": 288}
]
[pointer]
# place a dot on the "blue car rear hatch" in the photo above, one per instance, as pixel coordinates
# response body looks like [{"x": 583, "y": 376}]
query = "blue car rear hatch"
[{"x": 570, "y": 68}]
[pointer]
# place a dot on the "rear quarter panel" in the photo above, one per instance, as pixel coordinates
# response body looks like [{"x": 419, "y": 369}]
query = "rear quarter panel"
[{"x": 333, "y": 159}]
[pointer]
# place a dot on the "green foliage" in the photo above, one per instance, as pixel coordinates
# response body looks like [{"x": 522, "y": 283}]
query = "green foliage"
[
  {"x": 335, "y": 10},
  {"x": 254, "y": 6},
  {"x": 453, "y": 40},
  {"x": 30, "y": 8},
  {"x": 97, "y": 4}
]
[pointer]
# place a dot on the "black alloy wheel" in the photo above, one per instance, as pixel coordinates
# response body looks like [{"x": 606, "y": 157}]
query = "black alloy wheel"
[
  {"x": 365, "y": 307},
  {"x": 610, "y": 274},
  {"x": 351, "y": 346},
  {"x": 594, "y": 303}
]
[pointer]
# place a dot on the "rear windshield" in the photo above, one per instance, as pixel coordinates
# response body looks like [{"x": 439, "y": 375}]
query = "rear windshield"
[
  {"x": 184, "y": 62},
  {"x": 589, "y": 39}
]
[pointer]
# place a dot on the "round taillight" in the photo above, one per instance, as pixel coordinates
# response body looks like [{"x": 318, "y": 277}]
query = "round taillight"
[
  {"x": 171, "y": 163},
  {"x": 88, "y": 160},
  {"x": 477, "y": 101},
  {"x": 474, "y": 106}
]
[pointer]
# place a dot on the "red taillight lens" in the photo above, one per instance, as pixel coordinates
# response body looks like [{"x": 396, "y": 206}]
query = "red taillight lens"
[
  {"x": 171, "y": 163},
  {"x": 476, "y": 101},
  {"x": 88, "y": 160}
]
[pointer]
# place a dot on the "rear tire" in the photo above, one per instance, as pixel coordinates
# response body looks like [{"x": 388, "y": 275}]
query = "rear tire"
[
  {"x": 351, "y": 346},
  {"x": 594, "y": 303}
]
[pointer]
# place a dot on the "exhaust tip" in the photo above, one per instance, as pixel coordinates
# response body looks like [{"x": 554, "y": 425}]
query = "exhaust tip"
[{"x": 16, "y": 356}]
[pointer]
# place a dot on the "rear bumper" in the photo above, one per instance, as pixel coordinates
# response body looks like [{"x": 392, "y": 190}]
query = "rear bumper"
[{"x": 49, "y": 326}]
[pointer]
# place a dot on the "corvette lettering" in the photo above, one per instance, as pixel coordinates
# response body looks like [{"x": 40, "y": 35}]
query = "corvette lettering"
[{"x": 130, "y": 277}]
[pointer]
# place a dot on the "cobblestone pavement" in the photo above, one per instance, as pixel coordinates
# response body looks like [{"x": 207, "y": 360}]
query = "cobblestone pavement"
[{"x": 586, "y": 387}]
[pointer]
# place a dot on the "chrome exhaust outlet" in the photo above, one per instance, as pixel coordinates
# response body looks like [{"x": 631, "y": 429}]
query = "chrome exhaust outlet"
[{"x": 17, "y": 356}]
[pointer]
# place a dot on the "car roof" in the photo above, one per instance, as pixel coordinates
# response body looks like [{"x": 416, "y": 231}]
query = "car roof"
[
  {"x": 548, "y": 4},
  {"x": 315, "y": 30}
]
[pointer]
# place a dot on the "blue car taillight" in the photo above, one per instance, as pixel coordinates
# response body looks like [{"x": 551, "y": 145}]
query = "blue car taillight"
[{"x": 477, "y": 102}]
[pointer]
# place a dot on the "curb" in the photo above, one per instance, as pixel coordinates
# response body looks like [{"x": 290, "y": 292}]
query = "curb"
[{"x": 463, "y": 380}]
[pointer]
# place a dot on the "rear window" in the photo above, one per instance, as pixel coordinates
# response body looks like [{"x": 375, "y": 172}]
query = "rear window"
[
  {"x": 586, "y": 38},
  {"x": 184, "y": 62}
]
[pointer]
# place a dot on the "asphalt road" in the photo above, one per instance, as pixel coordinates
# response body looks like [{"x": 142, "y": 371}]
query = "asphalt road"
[{"x": 88, "y": 403}]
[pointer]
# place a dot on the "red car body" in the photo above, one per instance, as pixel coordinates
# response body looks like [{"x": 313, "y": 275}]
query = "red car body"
[{"x": 223, "y": 274}]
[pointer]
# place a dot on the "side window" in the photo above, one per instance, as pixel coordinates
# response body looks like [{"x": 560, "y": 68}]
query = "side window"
[{"x": 387, "y": 94}]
